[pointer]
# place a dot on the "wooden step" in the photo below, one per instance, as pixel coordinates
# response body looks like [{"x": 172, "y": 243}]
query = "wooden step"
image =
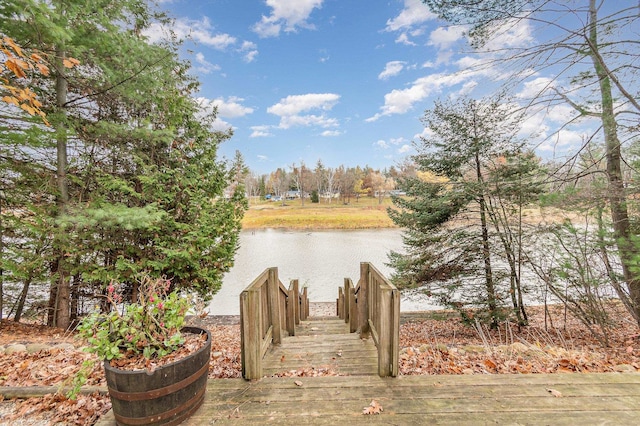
[{"x": 322, "y": 346}]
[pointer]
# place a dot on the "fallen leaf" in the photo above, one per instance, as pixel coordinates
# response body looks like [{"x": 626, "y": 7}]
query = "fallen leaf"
[
  {"x": 490, "y": 364},
  {"x": 298, "y": 383},
  {"x": 373, "y": 408},
  {"x": 630, "y": 349},
  {"x": 554, "y": 392}
]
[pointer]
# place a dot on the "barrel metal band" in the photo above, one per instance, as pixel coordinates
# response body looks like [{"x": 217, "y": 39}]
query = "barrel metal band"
[
  {"x": 156, "y": 393},
  {"x": 189, "y": 408}
]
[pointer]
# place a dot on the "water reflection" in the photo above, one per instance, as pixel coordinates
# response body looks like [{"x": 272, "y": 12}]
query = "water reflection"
[{"x": 319, "y": 259}]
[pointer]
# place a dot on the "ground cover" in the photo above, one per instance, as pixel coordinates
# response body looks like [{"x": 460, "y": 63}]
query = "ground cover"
[
  {"x": 361, "y": 214},
  {"x": 430, "y": 343}
]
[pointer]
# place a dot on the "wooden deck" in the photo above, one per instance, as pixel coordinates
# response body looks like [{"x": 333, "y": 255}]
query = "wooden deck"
[
  {"x": 323, "y": 344},
  {"x": 585, "y": 399}
]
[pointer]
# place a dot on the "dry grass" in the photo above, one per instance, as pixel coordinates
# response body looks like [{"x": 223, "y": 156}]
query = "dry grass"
[{"x": 365, "y": 213}]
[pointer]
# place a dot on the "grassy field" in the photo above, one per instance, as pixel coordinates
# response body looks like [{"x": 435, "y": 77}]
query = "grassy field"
[{"x": 365, "y": 213}]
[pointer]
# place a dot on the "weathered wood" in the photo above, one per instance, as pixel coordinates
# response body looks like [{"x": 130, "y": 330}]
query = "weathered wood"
[
  {"x": 266, "y": 342},
  {"x": 296, "y": 301},
  {"x": 282, "y": 301},
  {"x": 346, "y": 311},
  {"x": 452, "y": 400},
  {"x": 13, "y": 392},
  {"x": 363, "y": 300},
  {"x": 291, "y": 310},
  {"x": 250, "y": 334},
  {"x": 353, "y": 309},
  {"x": 394, "y": 346},
  {"x": 340, "y": 304},
  {"x": 322, "y": 345},
  {"x": 304, "y": 304},
  {"x": 273, "y": 288},
  {"x": 167, "y": 395}
]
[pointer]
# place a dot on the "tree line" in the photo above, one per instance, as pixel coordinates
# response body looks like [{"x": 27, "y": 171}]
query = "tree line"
[{"x": 339, "y": 184}]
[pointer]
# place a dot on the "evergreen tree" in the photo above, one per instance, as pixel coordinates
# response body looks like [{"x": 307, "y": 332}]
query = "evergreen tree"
[
  {"x": 447, "y": 214},
  {"x": 132, "y": 181}
]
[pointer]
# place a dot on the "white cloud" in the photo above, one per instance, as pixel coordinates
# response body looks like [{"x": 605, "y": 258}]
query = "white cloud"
[
  {"x": 534, "y": 126},
  {"x": 396, "y": 141},
  {"x": 514, "y": 33},
  {"x": 262, "y": 158},
  {"x": 399, "y": 101},
  {"x": 200, "y": 31},
  {"x": 414, "y": 13},
  {"x": 535, "y": 87},
  {"x": 404, "y": 39},
  {"x": 260, "y": 132},
  {"x": 289, "y": 121},
  {"x": 467, "y": 88},
  {"x": 204, "y": 66},
  {"x": 404, "y": 149},
  {"x": 229, "y": 108},
  {"x": 564, "y": 140},
  {"x": 295, "y": 104},
  {"x": 561, "y": 114},
  {"x": 381, "y": 144},
  {"x": 392, "y": 68},
  {"x": 426, "y": 134},
  {"x": 287, "y": 15},
  {"x": 250, "y": 50},
  {"x": 331, "y": 133},
  {"x": 444, "y": 37}
]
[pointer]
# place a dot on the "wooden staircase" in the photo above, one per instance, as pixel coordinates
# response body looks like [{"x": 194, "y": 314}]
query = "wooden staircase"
[
  {"x": 277, "y": 338},
  {"x": 322, "y": 346}
]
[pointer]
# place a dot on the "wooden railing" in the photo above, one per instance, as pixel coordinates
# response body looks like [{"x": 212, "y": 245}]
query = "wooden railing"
[
  {"x": 267, "y": 311},
  {"x": 373, "y": 308}
]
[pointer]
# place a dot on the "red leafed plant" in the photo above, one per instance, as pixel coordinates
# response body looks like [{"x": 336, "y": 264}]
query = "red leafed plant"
[{"x": 150, "y": 326}]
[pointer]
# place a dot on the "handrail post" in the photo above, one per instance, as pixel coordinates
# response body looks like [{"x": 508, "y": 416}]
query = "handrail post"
[
  {"x": 353, "y": 310},
  {"x": 340, "y": 304},
  {"x": 395, "y": 332},
  {"x": 363, "y": 299},
  {"x": 296, "y": 301},
  {"x": 384, "y": 326},
  {"x": 250, "y": 338},
  {"x": 305, "y": 303},
  {"x": 273, "y": 288},
  {"x": 346, "y": 312},
  {"x": 291, "y": 309}
]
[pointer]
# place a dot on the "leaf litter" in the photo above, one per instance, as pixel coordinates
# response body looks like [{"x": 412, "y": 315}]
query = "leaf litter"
[{"x": 427, "y": 347}]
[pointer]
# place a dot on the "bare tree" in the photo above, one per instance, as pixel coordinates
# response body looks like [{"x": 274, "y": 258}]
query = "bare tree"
[{"x": 595, "y": 48}]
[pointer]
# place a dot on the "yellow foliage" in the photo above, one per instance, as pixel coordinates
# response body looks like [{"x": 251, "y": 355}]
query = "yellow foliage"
[
  {"x": 431, "y": 177},
  {"x": 18, "y": 63}
]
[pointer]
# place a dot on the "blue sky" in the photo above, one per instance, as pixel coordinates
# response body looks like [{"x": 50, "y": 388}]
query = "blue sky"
[{"x": 338, "y": 80}]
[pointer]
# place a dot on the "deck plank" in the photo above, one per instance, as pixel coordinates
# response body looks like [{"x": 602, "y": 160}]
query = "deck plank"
[{"x": 586, "y": 399}]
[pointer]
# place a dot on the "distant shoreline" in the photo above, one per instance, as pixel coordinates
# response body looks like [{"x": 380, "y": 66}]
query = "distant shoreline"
[{"x": 366, "y": 213}]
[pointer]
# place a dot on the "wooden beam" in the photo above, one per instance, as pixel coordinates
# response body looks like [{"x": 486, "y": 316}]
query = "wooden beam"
[{"x": 273, "y": 288}]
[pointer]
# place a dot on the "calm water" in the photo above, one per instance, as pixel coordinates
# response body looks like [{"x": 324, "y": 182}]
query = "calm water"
[{"x": 318, "y": 259}]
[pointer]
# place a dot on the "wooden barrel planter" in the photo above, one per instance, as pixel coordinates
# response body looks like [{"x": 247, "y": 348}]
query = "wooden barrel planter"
[{"x": 166, "y": 396}]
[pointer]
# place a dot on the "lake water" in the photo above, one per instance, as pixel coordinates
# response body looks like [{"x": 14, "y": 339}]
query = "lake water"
[{"x": 318, "y": 259}]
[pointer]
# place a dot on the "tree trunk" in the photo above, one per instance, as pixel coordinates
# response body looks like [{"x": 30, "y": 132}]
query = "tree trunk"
[
  {"x": 486, "y": 253},
  {"x": 617, "y": 197},
  {"x": 61, "y": 291},
  {"x": 23, "y": 297},
  {"x": 1, "y": 254}
]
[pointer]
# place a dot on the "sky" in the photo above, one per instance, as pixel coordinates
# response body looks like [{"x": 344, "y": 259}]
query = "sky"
[{"x": 341, "y": 81}]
